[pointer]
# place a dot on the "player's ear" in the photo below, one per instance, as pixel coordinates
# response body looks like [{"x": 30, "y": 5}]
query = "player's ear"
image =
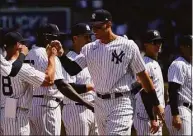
[
  {"x": 75, "y": 38},
  {"x": 109, "y": 24}
]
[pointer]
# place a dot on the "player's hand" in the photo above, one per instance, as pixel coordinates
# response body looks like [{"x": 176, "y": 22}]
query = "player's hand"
[
  {"x": 154, "y": 126},
  {"x": 89, "y": 87},
  {"x": 24, "y": 49},
  {"x": 159, "y": 110},
  {"x": 177, "y": 122},
  {"x": 58, "y": 46},
  {"x": 90, "y": 106},
  {"x": 51, "y": 51}
]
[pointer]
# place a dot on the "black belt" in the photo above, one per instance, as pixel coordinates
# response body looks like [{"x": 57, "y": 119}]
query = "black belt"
[
  {"x": 188, "y": 105},
  {"x": 108, "y": 96},
  {"x": 79, "y": 104},
  {"x": 42, "y": 96}
]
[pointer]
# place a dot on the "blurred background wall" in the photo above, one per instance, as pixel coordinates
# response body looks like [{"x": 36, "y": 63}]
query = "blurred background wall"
[{"x": 131, "y": 17}]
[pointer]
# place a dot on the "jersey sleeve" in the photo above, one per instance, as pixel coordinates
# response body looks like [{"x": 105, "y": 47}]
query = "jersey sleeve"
[
  {"x": 137, "y": 63},
  {"x": 59, "y": 71},
  {"x": 176, "y": 73},
  {"x": 5, "y": 66},
  {"x": 81, "y": 58},
  {"x": 31, "y": 75},
  {"x": 67, "y": 77}
]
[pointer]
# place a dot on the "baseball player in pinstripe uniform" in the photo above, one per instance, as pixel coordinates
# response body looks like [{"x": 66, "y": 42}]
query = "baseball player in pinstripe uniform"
[
  {"x": 178, "y": 112},
  {"x": 16, "y": 95},
  {"x": 6, "y": 67},
  {"x": 142, "y": 123},
  {"x": 82, "y": 120},
  {"x": 45, "y": 116},
  {"x": 113, "y": 61}
]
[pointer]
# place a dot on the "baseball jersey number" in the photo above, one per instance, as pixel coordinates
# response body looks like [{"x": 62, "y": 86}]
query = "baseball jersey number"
[{"x": 7, "y": 88}]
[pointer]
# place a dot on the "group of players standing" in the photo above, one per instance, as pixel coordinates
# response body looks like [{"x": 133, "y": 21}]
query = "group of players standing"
[{"x": 111, "y": 86}]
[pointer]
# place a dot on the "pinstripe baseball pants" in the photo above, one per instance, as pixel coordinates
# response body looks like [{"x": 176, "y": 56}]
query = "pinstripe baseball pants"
[
  {"x": 185, "y": 114},
  {"x": 114, "y": 116},
  {"x": 16, "y": 126},
  {"x": 142, "y": 123},
  {"x": 45, "y": 120},
  {"x": 78, "y": 120}
]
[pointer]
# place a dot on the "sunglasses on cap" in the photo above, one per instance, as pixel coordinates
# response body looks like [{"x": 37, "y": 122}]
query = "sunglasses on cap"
[{"x": 98, "y": 26}]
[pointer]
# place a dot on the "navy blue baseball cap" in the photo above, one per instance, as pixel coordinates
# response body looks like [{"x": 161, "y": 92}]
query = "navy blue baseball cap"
[
  {"x": 49, "y": 29},
  {"x": 81, "y": 29},
  {"x": 100, "y": 16},
  {"x": 152, "y": 35},
  {"x": 12, "y": 38}
]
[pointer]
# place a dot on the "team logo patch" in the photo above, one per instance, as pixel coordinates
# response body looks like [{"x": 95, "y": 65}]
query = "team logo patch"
[
  {"x": 117, "y": 57},
  {"x": 155, "y": 33},
  {"x": 93, "y": 16},
  {"x": 87, "y": 28}
]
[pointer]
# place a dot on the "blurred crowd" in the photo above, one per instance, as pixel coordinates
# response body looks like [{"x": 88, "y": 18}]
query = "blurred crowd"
[{"x": 131, "y": 17}]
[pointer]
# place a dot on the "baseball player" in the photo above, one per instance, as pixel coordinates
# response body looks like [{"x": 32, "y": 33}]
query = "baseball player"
[
  {"x": 113, "y": 61},
  {"x": 6, "y": 67},
  {"x": 16, "y": 95},
  {"x": 82, "y": 120},
  {"x": 142, "y": 123},
  {"x": 178, "y": 112},
  {"x": 45, "y": 116}
]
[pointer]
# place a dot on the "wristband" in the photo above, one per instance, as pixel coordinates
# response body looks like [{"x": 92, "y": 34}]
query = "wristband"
[{"x": 153, "y": 97}]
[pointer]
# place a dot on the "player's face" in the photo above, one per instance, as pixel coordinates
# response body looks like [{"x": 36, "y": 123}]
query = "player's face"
[
  {"x": 100, "y": 30},
  {"x": 154, "y": 48},
  {"x": 187, "y": 51},
  {"x": 81, "y": 40}
]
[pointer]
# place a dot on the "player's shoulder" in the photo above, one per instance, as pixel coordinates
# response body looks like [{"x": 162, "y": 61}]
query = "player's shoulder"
[
  {"x": 179, "y": 62},
  {"x": 37, "y": 51},
  {"x": 90, "y": 45}
]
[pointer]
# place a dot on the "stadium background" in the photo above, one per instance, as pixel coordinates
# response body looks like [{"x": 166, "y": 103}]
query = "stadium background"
[{"x": 131, "y": 17}]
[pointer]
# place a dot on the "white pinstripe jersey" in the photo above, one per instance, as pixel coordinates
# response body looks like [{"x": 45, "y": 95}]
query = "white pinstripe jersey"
[
  {"x": 39, "y": 55},
  {"x": 5, "y": 66},
  {"x": 81, "y": 78},
  {"x": 155, "y": 73},
  {"x": 112, "y": 66},
  {"x": 19, "y": 87},
  {"x": 180, "y": 71}
]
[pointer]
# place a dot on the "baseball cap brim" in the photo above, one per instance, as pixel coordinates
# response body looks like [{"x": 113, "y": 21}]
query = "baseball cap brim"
[
  {"x": 96, "y": 22},
  {"x": 158, "y": 39}
]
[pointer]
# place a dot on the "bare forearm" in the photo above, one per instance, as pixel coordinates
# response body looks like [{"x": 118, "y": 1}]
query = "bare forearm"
[
  {"x": 148, "y": 86},
  {"x": 69, "y": 92},
  {"x": 146, "y": 81},
  {"x": 50, "y": 71}
]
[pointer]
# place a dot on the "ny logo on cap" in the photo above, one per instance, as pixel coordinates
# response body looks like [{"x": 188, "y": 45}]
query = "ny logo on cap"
[
  {"x": 93, "y": 16},
  {"x": 87, "y": 28},
  {"x": 155, "y": 33}
]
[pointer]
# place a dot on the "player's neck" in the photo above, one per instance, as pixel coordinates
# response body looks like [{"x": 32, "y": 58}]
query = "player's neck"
[
  {"x": 151, "y": 56},
  {"x": 109, "y": 38},
  {"x": 188, "y": 59},
  {"x": 12, "y": 56}
]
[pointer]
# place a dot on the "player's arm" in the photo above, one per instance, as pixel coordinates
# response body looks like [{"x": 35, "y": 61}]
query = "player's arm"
[
  {"x": 51, "y": 68},
  {"x": 176, "y": 79},
  {"x": 82, "y": 88},
  {"x": 148, "y": 86},
  {"x": 173, "y": 89},
  {"x": 16, "y": 65},
  {"x": 72, "y": 67},
  {"x": 67, "y": 90}
]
